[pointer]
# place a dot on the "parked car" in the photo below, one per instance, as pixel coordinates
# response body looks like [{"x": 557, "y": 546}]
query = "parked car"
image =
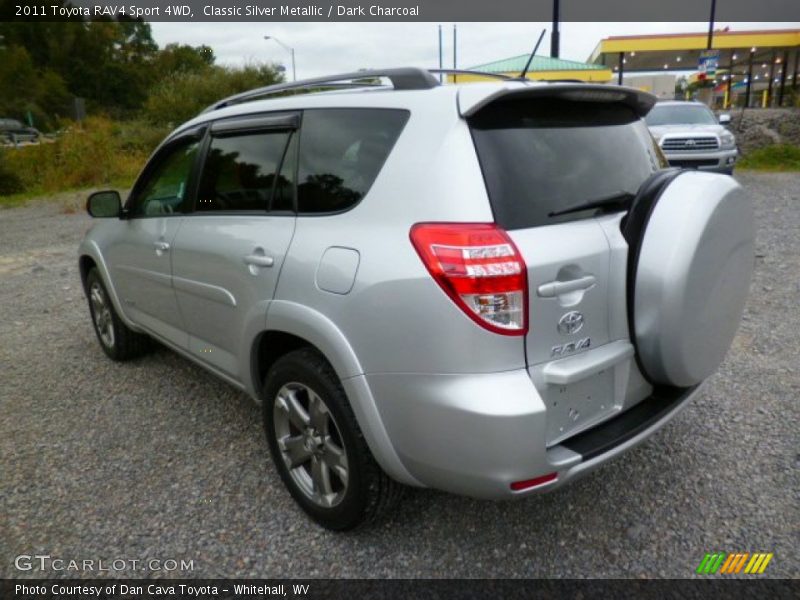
[
  {"x": 459, "y": 287},
  {"x": 691, "y": 137},
  {"x": 13, "y": 131}
]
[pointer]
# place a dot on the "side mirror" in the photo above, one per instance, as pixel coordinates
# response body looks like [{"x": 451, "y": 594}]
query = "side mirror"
[
  {"x": 724, "y": 119},
  {"x": 104, "y": 205}
]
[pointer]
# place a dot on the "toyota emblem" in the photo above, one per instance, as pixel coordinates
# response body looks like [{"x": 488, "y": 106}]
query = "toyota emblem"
[{"x": 571, "y": 322}]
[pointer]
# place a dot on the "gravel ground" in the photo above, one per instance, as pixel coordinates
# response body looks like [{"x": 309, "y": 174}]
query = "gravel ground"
[{"x": 158, "y": 459}]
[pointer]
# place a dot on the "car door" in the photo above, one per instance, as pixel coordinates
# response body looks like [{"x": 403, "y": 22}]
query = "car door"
[
  {"x": 140, "y": 256},
  {"x": 229, "y": 251}
]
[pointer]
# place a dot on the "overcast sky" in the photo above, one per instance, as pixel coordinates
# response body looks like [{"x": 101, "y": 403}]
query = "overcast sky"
[{"x": 324, "y": 48}]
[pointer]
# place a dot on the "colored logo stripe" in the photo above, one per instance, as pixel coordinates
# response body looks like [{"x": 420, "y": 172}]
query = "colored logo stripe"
[
  {"x": 728, "y": 564},
  {"x": 711, "y": 563},
  {"x": 758, "y": 563}
]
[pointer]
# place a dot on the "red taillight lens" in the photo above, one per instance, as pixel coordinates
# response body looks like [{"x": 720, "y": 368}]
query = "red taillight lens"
[
  {"x": 480, "y": 268},
  {"x": 518, "y": 486}
]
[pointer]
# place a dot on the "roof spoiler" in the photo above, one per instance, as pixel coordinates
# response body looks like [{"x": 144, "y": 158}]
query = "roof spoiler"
[{"x": 473, "y": 98}]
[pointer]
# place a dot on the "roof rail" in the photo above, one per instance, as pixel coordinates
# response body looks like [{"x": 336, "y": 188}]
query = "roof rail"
[
  {"x": 468, "y": 72},
  {"x": 407, "y": 78}
]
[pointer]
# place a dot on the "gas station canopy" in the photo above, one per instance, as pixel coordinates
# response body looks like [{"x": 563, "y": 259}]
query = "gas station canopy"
[{"x": 766, "y": 60}]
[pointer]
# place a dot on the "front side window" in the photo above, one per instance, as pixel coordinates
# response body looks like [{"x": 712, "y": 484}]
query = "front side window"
[
  {"x": 241, "y": 172},
  {"x": 164, "y": 189},
  {"x": 341, "y": 153}
]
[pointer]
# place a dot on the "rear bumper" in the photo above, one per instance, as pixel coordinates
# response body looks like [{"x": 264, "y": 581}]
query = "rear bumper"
[
  {"x": 477, "y": 434},
  {"x": 719, "y": 161}
]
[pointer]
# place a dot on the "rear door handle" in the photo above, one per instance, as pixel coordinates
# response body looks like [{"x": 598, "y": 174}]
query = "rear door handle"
[
  {"x": 161, "y": 246},
  {"x": 557, "y": 288},
  {"x": 259, "y": 260}
]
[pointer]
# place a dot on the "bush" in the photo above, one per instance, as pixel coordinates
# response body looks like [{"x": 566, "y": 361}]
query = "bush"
[
  {"x": 95, "y": 153},
  {"x": 10, "y": 181},
  {"x": 778, "y": 157},
  {"x": 179, "y": 98}
]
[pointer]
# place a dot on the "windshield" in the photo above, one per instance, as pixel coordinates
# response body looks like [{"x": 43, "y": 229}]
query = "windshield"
[{"x": 680, "y": 114}]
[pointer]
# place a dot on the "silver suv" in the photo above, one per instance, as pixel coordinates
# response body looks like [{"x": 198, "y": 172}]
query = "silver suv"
[
  {"x": 691, "y": 137},
  {"x": 489, "y": 289}
]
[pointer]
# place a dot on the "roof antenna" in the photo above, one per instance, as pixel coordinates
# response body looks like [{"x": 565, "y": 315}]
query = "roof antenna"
[{"x": 530, "y": 58}]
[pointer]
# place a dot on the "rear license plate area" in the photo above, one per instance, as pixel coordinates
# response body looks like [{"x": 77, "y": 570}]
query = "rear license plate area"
[{"x": 577, "y": 406}]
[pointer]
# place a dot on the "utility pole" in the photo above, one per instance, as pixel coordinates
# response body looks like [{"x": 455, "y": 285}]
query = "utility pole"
[
  {"x": 455, "y": 52},
  {"x": 711, "y": 24},
  {"x": 554, "y": 33},
  {"x": 441, "y": 57}
]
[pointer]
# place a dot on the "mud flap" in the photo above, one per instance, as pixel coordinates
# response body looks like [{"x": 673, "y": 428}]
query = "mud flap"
[{"x": 691, "y": 246}]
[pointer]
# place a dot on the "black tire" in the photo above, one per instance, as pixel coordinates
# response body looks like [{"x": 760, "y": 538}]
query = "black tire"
[
  {"x": 369, "y": 493},
  {"x": 124, "y": 343}
]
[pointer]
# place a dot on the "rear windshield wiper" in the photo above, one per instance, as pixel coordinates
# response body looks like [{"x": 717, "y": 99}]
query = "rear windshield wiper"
[{"x": 617, "y": 199}]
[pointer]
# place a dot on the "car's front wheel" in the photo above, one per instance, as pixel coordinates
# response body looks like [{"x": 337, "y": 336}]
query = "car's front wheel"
[
  {"x": 118, "y": 341},
  {"x": 317, "y": 445}
]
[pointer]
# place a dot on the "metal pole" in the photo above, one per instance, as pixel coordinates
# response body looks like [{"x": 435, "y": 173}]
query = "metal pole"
[
  {"x": 441, "y": 64},
  {"x": 711, "y": 24},
  {"x": 796, "y": 70},
  {"x": 455, "y": 52},
  {"x": 620, "y": 67},
  {"x": 730, "y": 78},
  {"x": 771, "y": 77},
  {"x": 554, "y": 33},
  {"x": 749, "y": 81},
  {"x": 784, "y": 68},
  {"x": 288, "y": 49}
]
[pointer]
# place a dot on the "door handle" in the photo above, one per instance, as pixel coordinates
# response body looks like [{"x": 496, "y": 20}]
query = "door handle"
[
  {"x": 259, "y": 260},
  {"x": 557, "y": 288},
  {"x": 161, "y": 246}
]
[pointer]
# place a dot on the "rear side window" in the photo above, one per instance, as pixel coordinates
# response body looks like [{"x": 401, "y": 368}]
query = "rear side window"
[
  {"x": 341, "y": 153},
  {"x": 540, "y": 156},
  {"x": 240, "y": 172}
]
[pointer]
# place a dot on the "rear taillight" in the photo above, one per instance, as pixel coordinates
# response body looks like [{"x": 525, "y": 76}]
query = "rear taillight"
[{"x": 480, "y": 268}]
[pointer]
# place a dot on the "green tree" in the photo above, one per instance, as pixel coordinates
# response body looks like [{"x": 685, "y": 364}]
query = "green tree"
[{"x": 182, "y": 58}]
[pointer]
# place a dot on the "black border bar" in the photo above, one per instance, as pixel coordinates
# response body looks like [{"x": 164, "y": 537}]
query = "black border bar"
[
  {"x": 403, "y": 10},
  {"x": 733, "y": 587}
]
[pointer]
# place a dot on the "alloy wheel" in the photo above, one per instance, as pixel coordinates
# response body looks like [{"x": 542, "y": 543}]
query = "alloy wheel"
[
  {"x": 311, "y": 444},
  {"x": 101, "y": 314}
]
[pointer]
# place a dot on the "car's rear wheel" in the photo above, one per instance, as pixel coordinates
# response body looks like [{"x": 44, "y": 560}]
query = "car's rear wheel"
[
  {"x": 317, "y": 445},
  {"x": 116, "y": 339}
]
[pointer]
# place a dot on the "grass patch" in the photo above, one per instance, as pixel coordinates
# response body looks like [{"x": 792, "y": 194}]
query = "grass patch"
[
  {"x": 778, "y": 157},
  {"x": 98, "y": 154}
]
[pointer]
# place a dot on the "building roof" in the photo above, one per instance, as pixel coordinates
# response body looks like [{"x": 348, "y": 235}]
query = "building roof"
[
  {"x": 515, "y": 64},
  {"x": 681, "y": 51},
  {"x": 697, "y": 41}
]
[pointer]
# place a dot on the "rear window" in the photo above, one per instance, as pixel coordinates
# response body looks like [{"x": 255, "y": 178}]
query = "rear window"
[
  {"x": 540, "y": 156},
  {"x": 342, "y": 151}
]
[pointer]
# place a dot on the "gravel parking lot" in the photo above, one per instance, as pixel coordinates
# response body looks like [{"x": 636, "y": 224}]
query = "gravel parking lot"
[{"x": 158, "y": 459}]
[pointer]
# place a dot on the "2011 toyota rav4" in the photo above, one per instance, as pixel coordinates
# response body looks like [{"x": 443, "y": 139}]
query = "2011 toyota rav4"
[{"x": 488, "y": 289}]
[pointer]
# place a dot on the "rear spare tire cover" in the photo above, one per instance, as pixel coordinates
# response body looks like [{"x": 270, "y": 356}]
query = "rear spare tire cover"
[{"x": 691, "y": 278}]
